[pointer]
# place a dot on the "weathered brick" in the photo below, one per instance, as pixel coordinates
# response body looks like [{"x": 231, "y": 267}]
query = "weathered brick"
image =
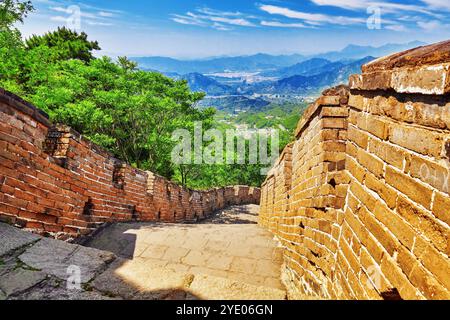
[
  {"x": 357, "y": 136},
  {"x": 422, "y": 141},
  {"x": 425, "y": 224},
  {"x": 398, "y": 279},
  {"x": 428, "y": 285},
  {"x": 408, "y": 186},
  {"x": 430, "y": 172},
  {"x": 399, "y": 227},
  {"x": 391, "y": 154},
  {"x": 434, "y": 261},
  {"x": 441, "y": 207},
  {"x": 373, "y": 125},
  {"x": 356, "y": 101},
  {"x": 334, "y": 112},
  {"x": 334, "y": 123},
  {"x": 388, "y": 194},
  {"x": 368, "y": 161}
]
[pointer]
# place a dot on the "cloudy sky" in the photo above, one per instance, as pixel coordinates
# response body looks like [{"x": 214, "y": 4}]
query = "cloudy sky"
[{"x": 201, "y": 28}]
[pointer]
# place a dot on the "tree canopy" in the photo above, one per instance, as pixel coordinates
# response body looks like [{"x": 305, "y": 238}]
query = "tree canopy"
[
  {"x": 66, "y": 43},
  {"x": 12, "y": 11}
]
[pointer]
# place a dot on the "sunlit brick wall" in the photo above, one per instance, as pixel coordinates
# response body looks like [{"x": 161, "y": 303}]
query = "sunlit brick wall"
[{"x": 369, "y": 207}]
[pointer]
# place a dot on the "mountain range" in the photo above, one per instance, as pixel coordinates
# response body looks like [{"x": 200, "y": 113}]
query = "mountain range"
[
  {"x": 303, "y": 78},
  {"x": 241, "y": 63},
  {"x": 251, "y": 82},
  {"x": 312, "y": 79},
  {"x": 263, "y": 62}
]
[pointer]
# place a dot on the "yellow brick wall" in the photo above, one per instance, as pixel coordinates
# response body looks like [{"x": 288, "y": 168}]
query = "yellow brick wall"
[{"x": 360, "y": 200}]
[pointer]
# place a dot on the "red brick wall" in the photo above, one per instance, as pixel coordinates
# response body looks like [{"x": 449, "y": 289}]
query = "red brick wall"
[{"x": 55, "y": 182}]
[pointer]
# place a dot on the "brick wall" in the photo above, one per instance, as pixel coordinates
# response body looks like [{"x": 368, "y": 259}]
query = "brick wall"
[
  {"x": 364, "y": 213},
  {"x": 55, "y": 182}
]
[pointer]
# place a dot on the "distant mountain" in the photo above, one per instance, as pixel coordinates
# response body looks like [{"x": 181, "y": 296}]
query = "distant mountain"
[
  {"x": 313, "y": 75},
  {"x": 198, "y": 82},
  {"x": 305, "y": 67},
  {"x": 295, "y": 64},
  {"x": 302, "y": 84},
  {"x": 252, "y": 63},
  {"x": 358, "y": 52},
  {"x": 234, "y": 103}
]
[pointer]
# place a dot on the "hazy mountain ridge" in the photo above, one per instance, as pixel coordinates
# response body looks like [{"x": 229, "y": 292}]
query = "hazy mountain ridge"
[
  {"x": 199, "y": 82},
  {"x": 357, "y": 52},
  {"x": 311, "y": 81},
  {"x": 264, "y": 62},
  {"x": 303, "y": 84},
  {"x": 264, "y": 79},
  {"x": 256, "y": 62},
  {"x": 300, "y": 68}
]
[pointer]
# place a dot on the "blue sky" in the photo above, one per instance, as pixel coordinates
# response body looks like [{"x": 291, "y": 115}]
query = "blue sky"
[{"x": 194, "y": 28}]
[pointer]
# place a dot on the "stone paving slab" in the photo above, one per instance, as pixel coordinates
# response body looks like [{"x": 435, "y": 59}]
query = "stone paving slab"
[
  {"x": 55, "y": 257},
  {"x": 223, "y": 258},
  {"x": 229, "y": 245},
  {"x": 12, "y": 238},
  {"x": 215, "y": 288},
  {"x": 133, "y": 279},
  {"x": 19, "y": 280}
]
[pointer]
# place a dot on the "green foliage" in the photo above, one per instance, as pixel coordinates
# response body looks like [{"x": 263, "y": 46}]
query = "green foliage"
[
  {"x": 12, "y": 11},
  {"x": 284, "y": 115},
  {"x": 130, "y": 112},
  {"x": 67, "y": 44}
]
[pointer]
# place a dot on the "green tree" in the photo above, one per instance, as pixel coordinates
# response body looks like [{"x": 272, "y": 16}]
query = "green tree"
[
  {"x": 12, "y": 11},
  {"x": 68, "y": 44}
]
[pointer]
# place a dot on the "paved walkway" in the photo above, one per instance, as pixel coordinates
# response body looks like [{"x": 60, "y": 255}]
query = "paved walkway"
[
  {"x": 229, "y": 246},
  {"x": 225, "y": 257}
]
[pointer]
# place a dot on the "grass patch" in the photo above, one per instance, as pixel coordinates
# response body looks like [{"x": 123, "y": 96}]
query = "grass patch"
[{"x": 22, "y": 265}]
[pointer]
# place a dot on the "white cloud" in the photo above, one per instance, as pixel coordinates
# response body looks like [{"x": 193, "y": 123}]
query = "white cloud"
[
  {"x": 213, "y": 12},
  {"x": 236, "y": 22},
  {"x": 346, "y": 4},
  {"x": 206, "y": 17},
  {"x": 278, "y": 24},
  {"x": 430, "y": 25},
  {"x": 396, "y": 27},
  {"x": 58, "y": 19},
  {"x": 386, "y": 7},
  {"x": 97, "y": 23},
  {"x": 61, "y": 9},
  {"x": 188, "y": 19},
  {"x": 106, "y": 14},
  {"x": 438, "y": 4},
  {"x": 96, "y": 18},
  {"x": 220, "y": 27},
  {"x": 311, "y": 17}
]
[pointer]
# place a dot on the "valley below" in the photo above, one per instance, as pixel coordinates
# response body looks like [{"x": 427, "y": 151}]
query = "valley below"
[{"x": 264, "y": 90}]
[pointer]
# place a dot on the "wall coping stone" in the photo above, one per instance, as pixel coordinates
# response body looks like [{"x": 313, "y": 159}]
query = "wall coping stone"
[
  {"x": 424, "y": 70},
  {"x": 25, "y": 107},
  {"x": 335, "y": 96}
]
